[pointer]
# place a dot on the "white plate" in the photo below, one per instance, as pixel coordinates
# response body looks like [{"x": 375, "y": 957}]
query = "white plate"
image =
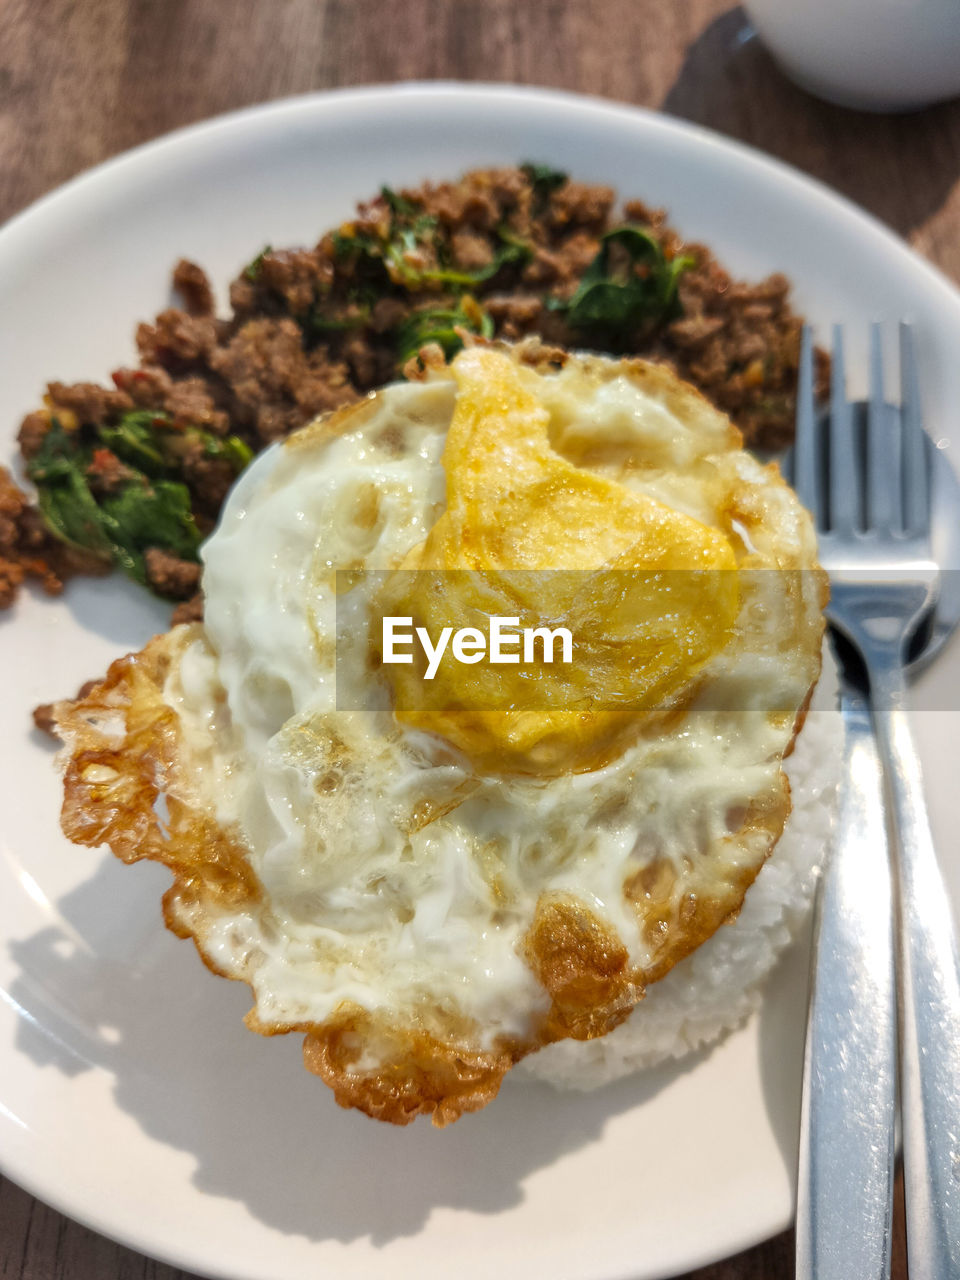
[{"x": 131, "y": 1096}]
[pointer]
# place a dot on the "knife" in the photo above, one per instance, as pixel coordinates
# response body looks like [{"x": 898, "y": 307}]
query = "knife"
[{"x": 848, "y": 1109}]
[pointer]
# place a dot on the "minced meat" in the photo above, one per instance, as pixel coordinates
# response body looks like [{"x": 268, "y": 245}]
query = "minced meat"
[
  {"x": 499, "y": 250},
  {"x": 29, "y": 550}
]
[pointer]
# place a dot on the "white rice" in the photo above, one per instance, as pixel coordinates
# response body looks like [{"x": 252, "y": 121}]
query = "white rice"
[{"x": 721, "y": 983}]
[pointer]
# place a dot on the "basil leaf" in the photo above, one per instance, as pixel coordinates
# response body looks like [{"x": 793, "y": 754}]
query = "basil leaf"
[
  {"x": 607, "y": 304},
  {"x": 400, "y": 206},
  {"x": 642, "y": 248},
  {"x": 68, "y": 507},
  {"x": 149, "y": 515},
  {"x": 440, "y": 324},
  {"x": 143, "y": 513},
  {"x": 237, "y": 451},
  {"x": 544, "y": 180},
  {"x": 252, "y": 270},
  {"x": 134, "y": 440},
  {"x": 360, "y": 245},
  {"x": 512, "y": 251},
  {"x": 613, "y": 299},
  {"x": 231, "y": 448}
]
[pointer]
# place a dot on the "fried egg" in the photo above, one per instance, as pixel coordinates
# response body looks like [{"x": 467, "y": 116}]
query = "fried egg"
[{"x": 432, "y": 880}]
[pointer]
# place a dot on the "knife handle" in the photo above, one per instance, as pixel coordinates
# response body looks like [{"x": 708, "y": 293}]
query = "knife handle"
[
  {"x": 929, "y": 992},
  {"x": 848, "y": 1110}
]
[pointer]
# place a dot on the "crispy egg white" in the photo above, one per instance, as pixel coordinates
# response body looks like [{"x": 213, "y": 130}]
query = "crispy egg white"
[{"x": 426, "y": 916}]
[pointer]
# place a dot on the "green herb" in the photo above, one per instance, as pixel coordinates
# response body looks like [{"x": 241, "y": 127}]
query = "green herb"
[
  {"x": 400, "y": 206},
  {"x": 229, "y": 448},
  {"x": 440, "y": 325},
  {"x": 522, "y": 249},
  {"x": 614, "y": 299},
  {"x": 424, "y": 224},
  {"x": 402, "y": 242},
  {"x": 512, "y": 251},
  {"x": 392, "y": 259},
  {"x": 317, "y": 322},
  {"x": 252, "y": 270},
  {"x": 412, "y": 256},
  {"x": 543, "y": 177},
  {"x": 544, "y": 180},
  {"x": 141, "y": 514},
  {"x": 343, "y": 246},
  {"x": 135, "y": 441},
  {"x": 149, "y": 515},
  {"x": 360, "y": 244},
  {"x": 236, "y": 451},
  {"x": 63, "y": 495},
  {"x": 148, "y": 440},
  {"x": 149, "y": 508}
]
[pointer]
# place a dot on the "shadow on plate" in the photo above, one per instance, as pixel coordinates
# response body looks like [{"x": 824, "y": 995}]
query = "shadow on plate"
[
  {"x": 118, "y": 609},
  {"x": 111, "y": 989},
  {"x": 113, "y": 607},
  {"x": 780, "y": 1041},
  {"x": 894, "y": 165}
]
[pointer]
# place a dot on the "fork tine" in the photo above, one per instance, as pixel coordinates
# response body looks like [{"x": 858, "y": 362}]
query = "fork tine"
[
  {"x": 845, "y": 495},
  {"x": 883, "y": 455},
  {"x": 805, "y": 468},
  {"x": 916, "y": 481}
]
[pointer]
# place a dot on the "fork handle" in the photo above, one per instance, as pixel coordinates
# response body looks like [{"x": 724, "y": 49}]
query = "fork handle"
[
  {"x": 929, "y": 992},
  {"x": 848, "y": 1111}
]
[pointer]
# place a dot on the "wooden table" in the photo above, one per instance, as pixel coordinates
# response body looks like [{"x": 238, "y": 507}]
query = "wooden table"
[{"x": 83, "y": 79}]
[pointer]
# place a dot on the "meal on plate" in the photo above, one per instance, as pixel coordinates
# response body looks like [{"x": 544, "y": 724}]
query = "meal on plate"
[
  {"x": 133, "y": 475},
  {"x": 477, "y": 734},
  {"x": 433, "y": 865}
]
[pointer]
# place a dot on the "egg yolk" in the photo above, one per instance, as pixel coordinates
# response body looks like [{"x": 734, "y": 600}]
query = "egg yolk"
[{"x": 649, "y": 594}]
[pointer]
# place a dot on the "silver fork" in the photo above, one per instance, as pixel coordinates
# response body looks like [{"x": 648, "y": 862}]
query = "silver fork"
[{"x": 872, "y": 510}]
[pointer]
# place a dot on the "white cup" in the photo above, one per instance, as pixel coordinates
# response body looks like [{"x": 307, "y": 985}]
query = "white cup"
[{"x": 878, "y": 55}]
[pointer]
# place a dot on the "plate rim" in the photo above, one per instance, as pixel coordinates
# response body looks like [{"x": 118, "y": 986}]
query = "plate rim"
[{"x": 226, "y": 122}]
